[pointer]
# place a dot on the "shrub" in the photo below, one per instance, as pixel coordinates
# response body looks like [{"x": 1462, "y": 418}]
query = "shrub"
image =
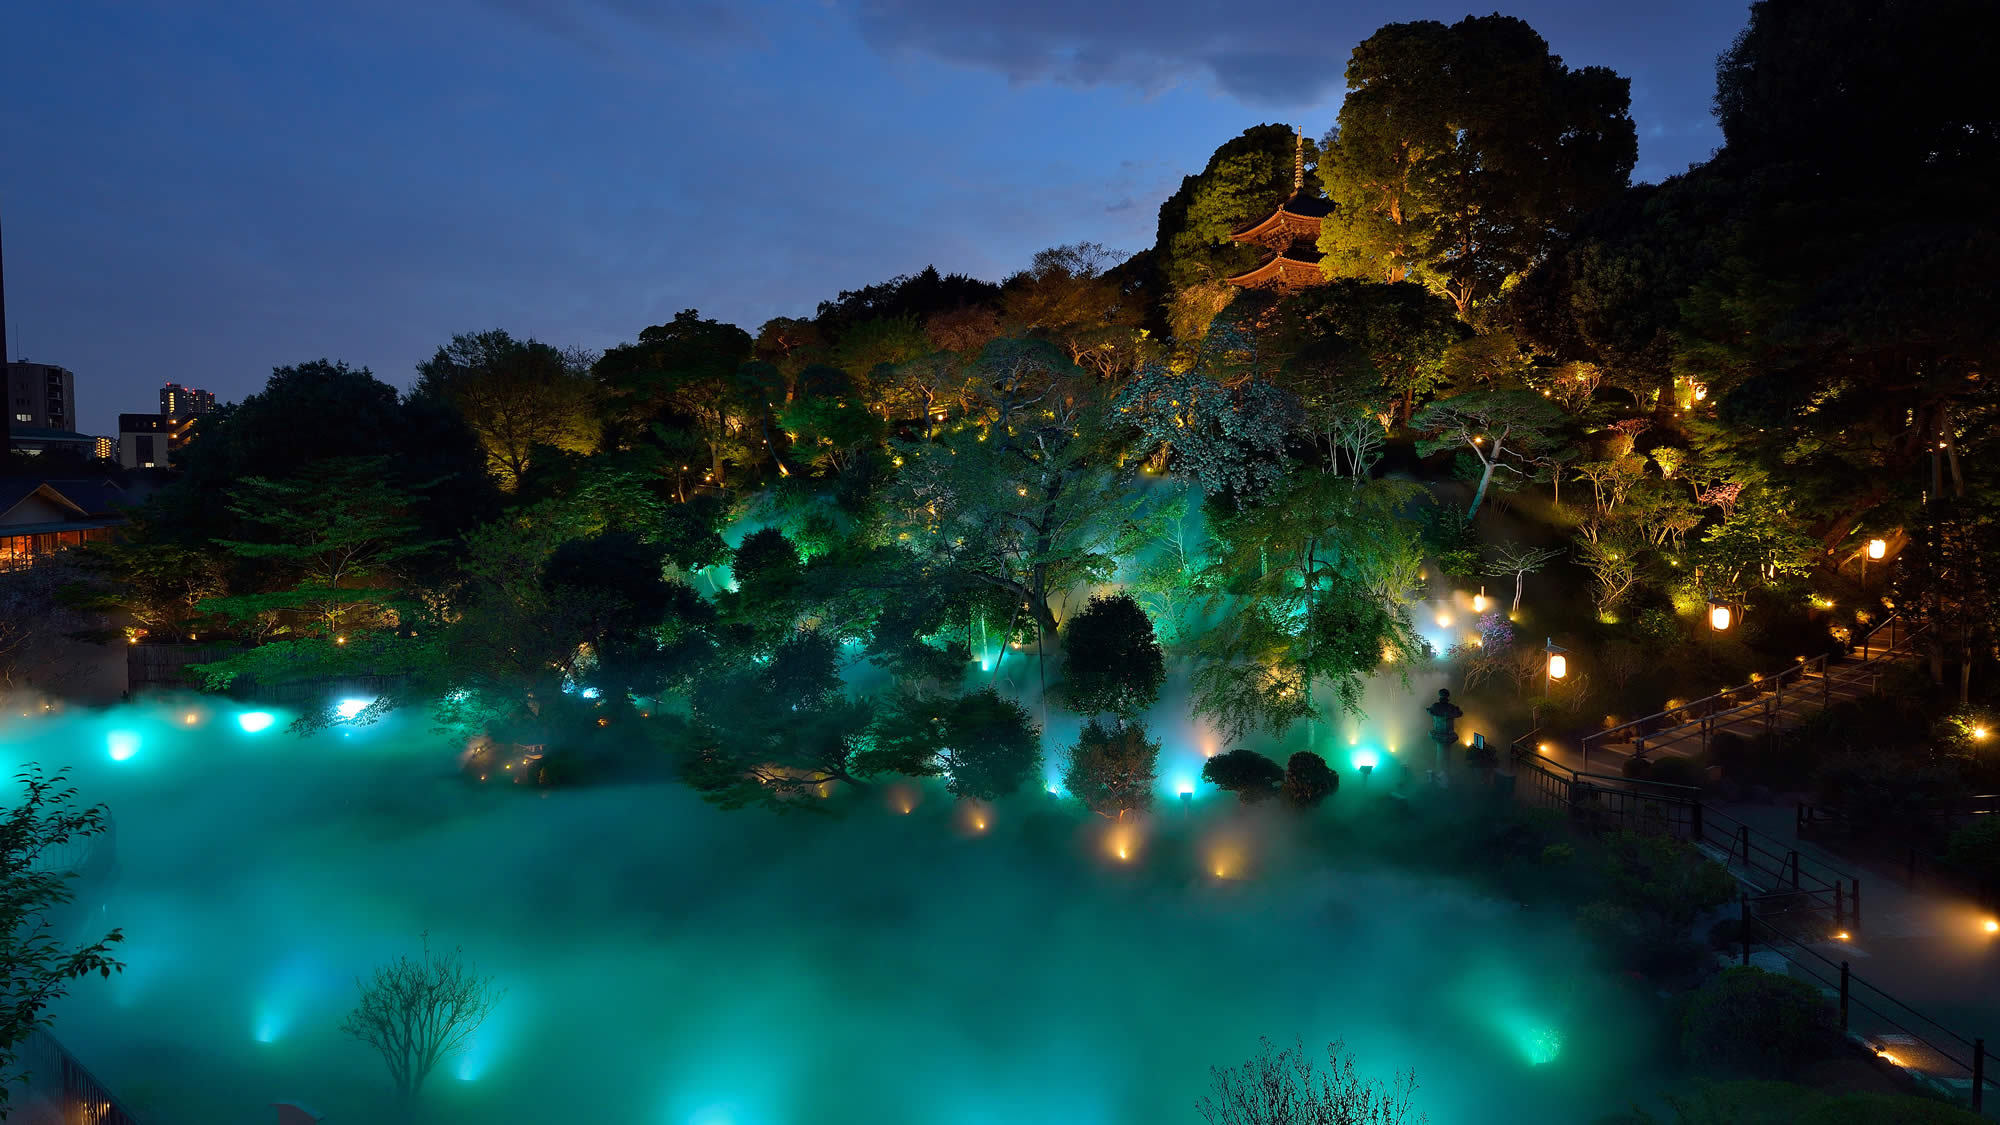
[
  {"x": 1676, "y": 770},
  {"x": 1974, "y": 851},
  {"x": 1309, "y": 780},
  {"x": 1246, "y": 773},
  {"x": 1753, "y": 1022}
]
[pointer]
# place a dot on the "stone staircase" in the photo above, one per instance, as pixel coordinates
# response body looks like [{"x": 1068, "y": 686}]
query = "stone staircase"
[{"x": 1763, "y": 706}]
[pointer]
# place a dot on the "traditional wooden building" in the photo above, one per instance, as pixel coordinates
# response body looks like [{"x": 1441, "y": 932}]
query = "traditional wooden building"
[{"x": 1290, "y": 233}]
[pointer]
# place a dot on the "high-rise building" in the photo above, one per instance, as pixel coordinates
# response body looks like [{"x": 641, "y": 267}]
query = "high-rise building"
[
  {"x": 41, "y": 395},
  {"x": 104, "y": 448},
  {"x": 177, "y": 401}
]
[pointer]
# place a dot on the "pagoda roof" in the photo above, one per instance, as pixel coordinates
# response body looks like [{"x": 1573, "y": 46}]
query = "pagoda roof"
[
  {"x": 1293, "y": 269},
  {"x": 1299, "y": 213}
]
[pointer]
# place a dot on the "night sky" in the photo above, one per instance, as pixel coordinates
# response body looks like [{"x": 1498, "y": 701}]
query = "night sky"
[{"x": 199, "y": 191}]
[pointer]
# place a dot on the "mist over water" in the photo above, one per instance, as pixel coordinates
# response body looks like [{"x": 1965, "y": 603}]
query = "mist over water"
[{"x": 668, "y": 963}]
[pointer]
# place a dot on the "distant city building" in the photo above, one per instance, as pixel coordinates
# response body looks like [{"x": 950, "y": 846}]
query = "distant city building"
[
  {"x": 148, "y": 441},
  {"x": 40, "y": 395},
  {"x": 36, "y": 440},
  {"x": 177, "y": 401},
  {"x": 104, "y": 448}
]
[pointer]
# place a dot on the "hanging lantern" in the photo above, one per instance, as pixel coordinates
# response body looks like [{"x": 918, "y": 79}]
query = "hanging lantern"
[{"x": 1877, "y": 548}]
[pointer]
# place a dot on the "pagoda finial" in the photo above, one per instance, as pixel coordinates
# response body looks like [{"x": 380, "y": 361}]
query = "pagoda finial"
[{"x": 1299, "y": 161}]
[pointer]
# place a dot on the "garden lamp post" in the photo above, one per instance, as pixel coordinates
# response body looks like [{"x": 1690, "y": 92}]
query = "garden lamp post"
[
  {"x": 1720, "y": 617},
  {"x": 1876, "y": 549},
  {"x": 1555, "y": 669}
]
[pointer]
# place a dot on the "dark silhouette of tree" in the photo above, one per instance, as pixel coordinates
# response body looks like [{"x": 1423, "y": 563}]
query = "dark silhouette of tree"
[
  {"x": 1114, "y": 662},
  {"x": 417, "y": 1011},
  {"x": 34, "y": 886},
  {"x": 1246, "y": 773},
  {"x": 1309, "y": 780},
  {"x": 1284, "y": 1087}
]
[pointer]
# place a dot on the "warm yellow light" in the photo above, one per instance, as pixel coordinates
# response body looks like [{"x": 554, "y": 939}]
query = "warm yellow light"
[
  {"x": 1893, "y": 1060},
  {"x": 1990, "y": 926},
  {"x": 1444, "y": 621},
  {"x": 1558, "y": 666},
  {"x": 1979, "y": 733},
  {"x": 190, "y": 718},
  {"x": 1718, "y": 617},
  {"x": 1479, "y": 603},
  {"x": 1544, "y": 748},
  {"x": 1841, "y": 936},
  {"x": 1877, "y": 548},
  {"x": 340, "y": 640}
]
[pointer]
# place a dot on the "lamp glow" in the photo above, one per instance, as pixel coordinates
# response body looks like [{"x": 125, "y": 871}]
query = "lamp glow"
[
  {"x": 348, "y": 708},
  {"x": 1990, "y": 926},
  {"x": 121, "y": 745},
  {"x": 1877, "y": 548},
  {"x": 1558, "y": 666},
  {"x": 254, "y": 721},
  {"x": 1718, "y": 617}
]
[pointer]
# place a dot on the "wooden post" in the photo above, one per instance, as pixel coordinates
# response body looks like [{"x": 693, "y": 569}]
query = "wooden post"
[{"x": 1843, "y": 996}]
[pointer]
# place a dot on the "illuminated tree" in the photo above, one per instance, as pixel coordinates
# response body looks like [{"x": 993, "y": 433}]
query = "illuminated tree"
[
  {"x": 1519, "y": 561},
  {"x": 1494, "y": 425},
  {"x": 1069, "y": 296},
  {"x": 1365, "y": 344},
  {"x": 688, "y": 366},
  {"x": 418, "y": 1011},
  {"x": 1020, "y": 500},
  {"x": 1112, "y": 769},
  {"x": 44, "y": 825},
  {"x": 778, "y": 732},
  {"x": 1326, "y": 567},
  {"x": 1231, "y": 438},
  {"x": 1462, "y": 152},
  {"x": 515, "y": 395},
  {"x": 983, "y": 744}
]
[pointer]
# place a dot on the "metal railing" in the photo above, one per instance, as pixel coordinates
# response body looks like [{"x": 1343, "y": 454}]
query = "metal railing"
[
  {"x": 1895, "y": 1031},
  {"x": 1761, "y": 698},
  {"x": 1784, "y": 878},
  {"x": 59, "y": 1090}
]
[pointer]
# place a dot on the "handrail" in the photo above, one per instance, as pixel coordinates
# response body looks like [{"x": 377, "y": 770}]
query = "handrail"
[
  {"x": 1763, "y": 690},
  {"x": 1840, "y": 979}
]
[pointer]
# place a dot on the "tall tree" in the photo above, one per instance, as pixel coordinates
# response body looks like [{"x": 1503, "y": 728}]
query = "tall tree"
[
  {"x": 1463, "y": 152},
  {"x": 515, "y": 395},
  {"x": 418, "y": 1011},
  {"x": 1500, "y": 428},
  {"x": 1112, "y": 769},
  {"x": 687, "y": 366}
]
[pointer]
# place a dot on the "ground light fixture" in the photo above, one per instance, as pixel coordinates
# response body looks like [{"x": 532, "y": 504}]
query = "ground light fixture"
[
  {"x": 1479, "y": 601},
  {"x": 254, "y": 721}
]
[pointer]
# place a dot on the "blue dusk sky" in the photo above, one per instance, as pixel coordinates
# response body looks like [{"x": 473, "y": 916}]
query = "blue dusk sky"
[{"x": 198, "y": 192}]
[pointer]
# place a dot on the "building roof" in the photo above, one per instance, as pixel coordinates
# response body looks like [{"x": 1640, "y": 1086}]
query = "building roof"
[
  {"x": 1299, "y": 215},
  {"x": 97, "y": 497},
  {"x": 1293, "y": 269},
  {"x": 44, "y": 433},
  {"x": 14, "y": 493}
]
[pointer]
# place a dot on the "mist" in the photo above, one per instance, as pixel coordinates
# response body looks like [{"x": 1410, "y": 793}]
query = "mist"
[{"x": 666, "y": 962}]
